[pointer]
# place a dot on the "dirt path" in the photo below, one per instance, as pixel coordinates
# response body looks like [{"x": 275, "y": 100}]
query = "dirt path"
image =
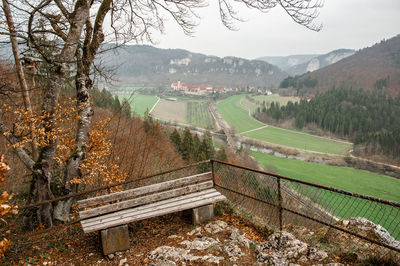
[
  {"x": 154, "y": 106},
  {"x": 248, "y": 131}
]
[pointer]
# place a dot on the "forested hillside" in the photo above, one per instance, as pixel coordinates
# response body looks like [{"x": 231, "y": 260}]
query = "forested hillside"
[
  {"x": 371, "y": 119},
  {"x": 363, "y": 69},
  {"x": 147, "y": 65}
]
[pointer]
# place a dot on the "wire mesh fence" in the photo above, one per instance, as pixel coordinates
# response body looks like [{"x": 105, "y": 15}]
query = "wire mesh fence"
[{"x": 279, "y": 201}]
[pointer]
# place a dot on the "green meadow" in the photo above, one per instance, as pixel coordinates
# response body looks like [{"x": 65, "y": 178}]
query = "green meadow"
[
  {"x": 236, "y": 116},
  {"x": 299, "y": 140},
  {"x": 139, "y": 103},
  {"x": 348, "y": 179},
  {"x": 239, "y": 118}
]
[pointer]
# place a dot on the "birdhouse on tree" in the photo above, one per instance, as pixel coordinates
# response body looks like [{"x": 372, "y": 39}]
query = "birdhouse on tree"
[{"x": 32, "y": 65}]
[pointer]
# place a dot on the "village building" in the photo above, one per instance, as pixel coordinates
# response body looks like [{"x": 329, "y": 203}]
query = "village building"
[{"x": 202, "y": 89}]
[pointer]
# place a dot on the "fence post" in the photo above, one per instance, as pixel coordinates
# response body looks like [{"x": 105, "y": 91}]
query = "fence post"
[
  {"x": 212, "y": 171},
  {"x": 280, "y": 204}
]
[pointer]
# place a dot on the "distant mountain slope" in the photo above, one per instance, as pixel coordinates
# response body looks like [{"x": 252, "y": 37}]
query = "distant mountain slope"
[
  {"x": 300, "y": 64},
  {"x": 320, "y": 61},
  {"x": 287, "y": 62},
  {"x": 147, "y": 65},
  {"x": 364, "y": 68}
]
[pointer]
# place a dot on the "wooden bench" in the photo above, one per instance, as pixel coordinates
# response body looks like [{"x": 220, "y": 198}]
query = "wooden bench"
[{"x": 111, "y": 213}]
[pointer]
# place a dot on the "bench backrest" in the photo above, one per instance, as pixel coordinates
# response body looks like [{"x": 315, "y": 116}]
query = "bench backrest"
[{"x": 152, "y": 193}]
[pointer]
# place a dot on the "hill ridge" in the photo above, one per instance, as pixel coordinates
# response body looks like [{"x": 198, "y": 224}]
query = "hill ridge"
[{"x": 148, "y": 65}]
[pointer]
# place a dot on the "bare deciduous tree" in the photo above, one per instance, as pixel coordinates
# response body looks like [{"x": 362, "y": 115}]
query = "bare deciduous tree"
[{"x": 67, "y": 35}]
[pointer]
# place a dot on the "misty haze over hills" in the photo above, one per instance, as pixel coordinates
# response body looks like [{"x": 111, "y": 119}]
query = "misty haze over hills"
[
  {"x": 300, "y": 64},
  {"x": 143, "y": 65},
  {"x": 147, "y": 65}
]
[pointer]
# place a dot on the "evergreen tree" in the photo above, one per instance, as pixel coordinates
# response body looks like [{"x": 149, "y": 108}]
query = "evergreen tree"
[
  {"x": 196, "y": 148},
  {"x": 371, "y": 118},
  {"x": 175, "y": 138},
  {"x": 207, "y": 148},
  {"x": 116, "y": 106},
  {"x": 126, "y": 108},
  {"x": 187, "y": 145}
]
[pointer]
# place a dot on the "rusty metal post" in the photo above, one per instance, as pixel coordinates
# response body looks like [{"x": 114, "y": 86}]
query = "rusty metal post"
[
  {"x": 280, "y": 204},
  {"x": 212, "y": 171}
]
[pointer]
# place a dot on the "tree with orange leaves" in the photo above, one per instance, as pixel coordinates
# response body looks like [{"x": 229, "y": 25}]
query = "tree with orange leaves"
[
  {"x": 67, "y": 36},
  {"x": 5, "y": 209}
]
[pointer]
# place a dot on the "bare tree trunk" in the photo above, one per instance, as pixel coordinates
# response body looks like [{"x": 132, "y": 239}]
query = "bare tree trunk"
[
  {"x": 40, "y": 186},
  {"x": 83, "y": 84},
  {"x": 42, "y": 176},
  {"x": 93, "y": 39},
  {"x": 20, "y": 71}
]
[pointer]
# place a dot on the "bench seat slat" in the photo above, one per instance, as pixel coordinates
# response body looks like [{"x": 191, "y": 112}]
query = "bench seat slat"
[
  {"x": 107, "y": 217},
  {"x": 144, "y": 190},
  {"x": 145, "y": 200},
  {"x": 162, "y": 210}
]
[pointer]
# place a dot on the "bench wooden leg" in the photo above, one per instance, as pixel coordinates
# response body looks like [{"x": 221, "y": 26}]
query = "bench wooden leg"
[
  {"x": 203, "y": 214},
  {"x": 115, "y": 239}
]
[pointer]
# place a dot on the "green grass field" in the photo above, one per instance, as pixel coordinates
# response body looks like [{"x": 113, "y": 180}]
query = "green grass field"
[
  {"x": 198, "y": 114},
  {"x": 297, "y": 140},
  {"x": 239, "y": 118},
  {"x": 236, "y": 116},
  {"x": 352, "y": 180},
  {"x": 275, "y": 98},
  {"x": 139, "y": 103},
  {"x": 268, "y": 99}
]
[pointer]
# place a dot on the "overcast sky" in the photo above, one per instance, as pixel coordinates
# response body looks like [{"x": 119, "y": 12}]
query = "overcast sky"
[{"x": 353, "y": 24}]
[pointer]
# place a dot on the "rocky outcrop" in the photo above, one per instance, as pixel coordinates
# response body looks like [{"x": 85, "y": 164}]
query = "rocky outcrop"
[
  {"x": 217, "y": 243},
  {"x": 283, "y": 247},
  {"x": 367, "y": 228}
]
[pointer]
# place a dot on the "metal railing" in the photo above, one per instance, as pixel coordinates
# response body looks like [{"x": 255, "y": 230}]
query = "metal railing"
[{"x": 278, "y": 201}]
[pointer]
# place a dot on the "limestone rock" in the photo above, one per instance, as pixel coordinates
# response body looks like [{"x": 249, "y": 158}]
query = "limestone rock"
[
  {"x": 163, "y": 262},
  {"x": 240, "y": 239},
  {"x": 216, "y": 227},
  {"x": 316, "y": 254},
  {"x": 200, "y": 244},
  {"x": 280, "y": 248},
  {"x": 123, "y": 261},
  {"x": 233, "y": 251},
  {"x": 196, "y": 231},
  {"x": 180, "y": 254},
  {"x": 366, "y": 225}
]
